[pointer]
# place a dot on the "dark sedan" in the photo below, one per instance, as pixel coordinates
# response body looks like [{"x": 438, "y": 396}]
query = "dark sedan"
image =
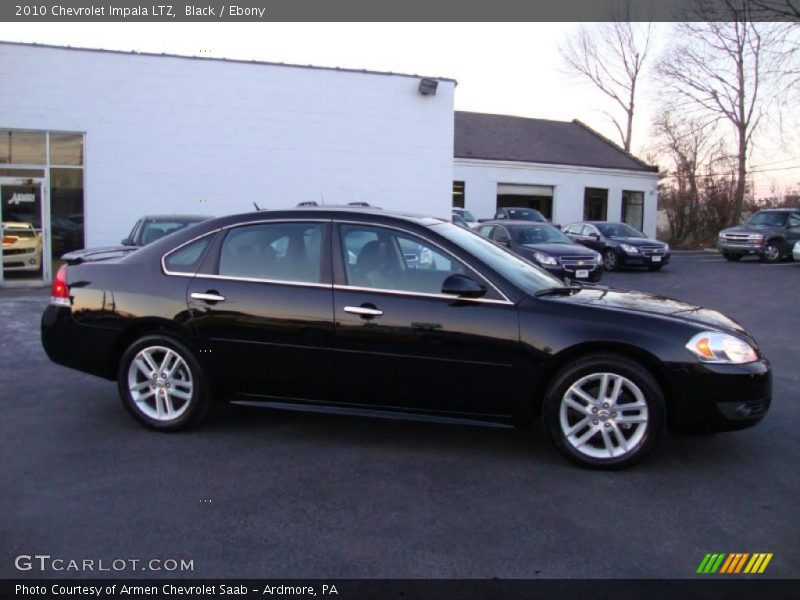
[
  {"x": 620, "y": 245},
  {"x": 547, "y": 247},
  {"x": 324, "y": 309}
]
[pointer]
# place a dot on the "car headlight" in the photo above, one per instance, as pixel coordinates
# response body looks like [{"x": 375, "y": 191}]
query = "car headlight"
[
  {"x": 598, "y": 257},
  {"x": 666, "y": 247},
  {"x": 756, "y": 236},
  {"x": 629, "y": 249},
  {"x": 797, "y": 247},
  {"x": 544, "y": 259},
  {"x": 715, "y": 347}
]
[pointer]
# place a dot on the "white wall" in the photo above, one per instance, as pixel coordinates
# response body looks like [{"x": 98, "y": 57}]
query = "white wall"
[
  {"x": 177, "y": 135},
  {"x": 481, "y": 177}
]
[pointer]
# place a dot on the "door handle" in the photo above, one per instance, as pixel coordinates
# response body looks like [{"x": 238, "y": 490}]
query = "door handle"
[
  {"x": 363, "y": 311},
  {"x": 209, "y": 296}
]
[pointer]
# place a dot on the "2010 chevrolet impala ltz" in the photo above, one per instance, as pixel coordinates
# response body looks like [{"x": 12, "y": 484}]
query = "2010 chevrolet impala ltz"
[{"x": 373, "y": 313}]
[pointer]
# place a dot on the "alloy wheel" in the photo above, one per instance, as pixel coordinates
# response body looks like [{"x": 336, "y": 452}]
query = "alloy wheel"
[
  {"x": 603, "y": 415},
  {"x": 610, "y": 260},
  {"x": 160, "y": 383}
]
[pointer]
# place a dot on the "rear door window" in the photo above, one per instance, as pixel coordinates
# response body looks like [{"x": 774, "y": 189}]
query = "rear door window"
[{"x": 290, "y": 252}]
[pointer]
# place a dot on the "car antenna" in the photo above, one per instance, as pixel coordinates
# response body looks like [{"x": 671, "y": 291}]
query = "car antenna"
[
  {"x": 322, "y": 198},
  {"x": 257, "y": 207}
]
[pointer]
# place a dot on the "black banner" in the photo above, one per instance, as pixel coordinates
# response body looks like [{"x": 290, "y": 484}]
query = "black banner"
[
  {"x": 374, "y": 10},
  {"x": 404, "y": 589}
]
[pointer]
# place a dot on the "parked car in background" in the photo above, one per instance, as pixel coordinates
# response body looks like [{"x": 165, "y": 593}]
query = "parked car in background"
[
  {"x": 268, "y": 309},
  {"x": 547, "y": 247},
  {"x": 22, "y": 247},
  {"x": 467, "y": 216},
  {"x": 459, "y": 220},
  {"x": 620, "y": 245},
  {"x": 519, "y": 214},
  {"x": 769, "y": 234},
  {"x": 150, "y": 228}
]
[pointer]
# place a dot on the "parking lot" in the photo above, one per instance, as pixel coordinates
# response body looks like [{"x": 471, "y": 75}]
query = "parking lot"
[{"x": 270, "y": 494}]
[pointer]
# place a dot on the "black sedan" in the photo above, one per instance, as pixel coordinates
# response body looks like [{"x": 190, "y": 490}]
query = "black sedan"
[
  {"x": 620, "y": 245},
  {"x": 321, "y": 310},
  {"x": 547, "y": 247}
]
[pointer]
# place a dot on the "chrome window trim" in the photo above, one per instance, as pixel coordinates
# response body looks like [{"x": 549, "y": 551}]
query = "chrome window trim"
[
  {"x": 176, "y": 248},
  {"x": 355, "y": 288},
  {"x": 446, "y": 252}
]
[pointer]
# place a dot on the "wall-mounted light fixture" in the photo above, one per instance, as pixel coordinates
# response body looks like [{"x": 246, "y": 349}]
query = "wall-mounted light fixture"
[{"x": 427, "y": 87}]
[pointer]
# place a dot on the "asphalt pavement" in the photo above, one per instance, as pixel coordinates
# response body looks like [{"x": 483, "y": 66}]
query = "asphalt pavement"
[{"x": 262, "y": 493}]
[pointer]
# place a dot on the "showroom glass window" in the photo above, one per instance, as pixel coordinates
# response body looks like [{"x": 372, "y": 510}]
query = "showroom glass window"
[
  {"x": 458, "y": 194},
  {"x": 633, "y": 209},
  {"x": 57, "y": 158}
]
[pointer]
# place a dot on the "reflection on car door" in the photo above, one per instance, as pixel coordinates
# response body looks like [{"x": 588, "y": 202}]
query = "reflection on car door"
[
  {"x": 263, "y": 305},
  {"x": 401, "y": 343}
]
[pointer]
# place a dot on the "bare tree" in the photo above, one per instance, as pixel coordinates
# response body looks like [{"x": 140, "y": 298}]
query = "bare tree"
[
  {"x": 780, "y": 10},
  {"x": 718, "y": 71},
  {"x": 611, "y": 56}
]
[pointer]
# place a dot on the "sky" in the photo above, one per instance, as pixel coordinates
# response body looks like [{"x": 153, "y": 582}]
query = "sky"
[{"x": 507, "y": 68}]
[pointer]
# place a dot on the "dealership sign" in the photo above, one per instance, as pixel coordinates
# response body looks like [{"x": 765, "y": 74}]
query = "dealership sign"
[{"x": 18, "y": 198}]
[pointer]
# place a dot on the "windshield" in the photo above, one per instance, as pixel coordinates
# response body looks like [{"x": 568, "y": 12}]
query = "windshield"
[
  {"x": 770, "y": 218},
  {"x": 538, "y": 234},
  {"x": 618, "y": 230},
  {"x": 466, "y": 215},
  {"x": 525, "y": 214},
  {"x": 521, "y": 273}
]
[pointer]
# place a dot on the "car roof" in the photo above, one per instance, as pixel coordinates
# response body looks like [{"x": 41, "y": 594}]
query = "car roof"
[
  {"x": 333, "y": 211},
  {"x": 177, "y": 217},
  {"x": 17, "y": 225},
  {"x": 517, "y": 222}
]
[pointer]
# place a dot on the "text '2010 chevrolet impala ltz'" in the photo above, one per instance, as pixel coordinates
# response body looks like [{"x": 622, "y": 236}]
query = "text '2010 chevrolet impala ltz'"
[{"x": 374, "y": 313}]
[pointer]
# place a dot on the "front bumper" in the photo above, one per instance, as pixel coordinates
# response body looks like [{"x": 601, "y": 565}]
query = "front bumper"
[
  {"x": 639, "y": 260},
  {"x": 22, "y": 261},
  {"x": 713, "y": 398},
  {"x": 593, "y": 273},
  {"x": 745, "y": 248}
]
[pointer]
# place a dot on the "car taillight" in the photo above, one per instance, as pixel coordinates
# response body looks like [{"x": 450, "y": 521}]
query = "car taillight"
[{"x": 60, "y": 292}]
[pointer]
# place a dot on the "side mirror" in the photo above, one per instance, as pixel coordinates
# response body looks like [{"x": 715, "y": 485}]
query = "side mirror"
[
  {"x": 462, "y": 286},
  {"x": 127, "y": 242},
  {"x": 594, "y": 236}
]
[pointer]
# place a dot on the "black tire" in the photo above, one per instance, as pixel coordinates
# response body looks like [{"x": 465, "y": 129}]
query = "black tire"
[
  {"x": 732, "y": 256},
  {"x": 610, "y": 261},
  {"x": 190, "y": 372},
  {"x": 643, "y": 439},
  {"x": 773, "y": 252},
  {"x": 655, "y": 267}
]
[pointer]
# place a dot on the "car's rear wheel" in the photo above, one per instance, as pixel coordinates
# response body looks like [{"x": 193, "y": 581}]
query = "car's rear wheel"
[
  {"x": 772, "y": 252},
  {"x": 732, "y": 256},
  {"x": 604, "y": 412},
  {"x": 162, "y": 384},
  {"x": 610, "y": 260}
]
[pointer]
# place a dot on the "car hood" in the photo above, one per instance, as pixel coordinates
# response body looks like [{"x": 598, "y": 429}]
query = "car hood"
[
  {"x": 642, "y": 302},
  {"x": 751, "y": 229},
  {"x": 560, "y": 249},
  {"x": 637, "y": 241}
]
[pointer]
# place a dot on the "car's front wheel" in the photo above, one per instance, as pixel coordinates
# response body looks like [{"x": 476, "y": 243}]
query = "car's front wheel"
[
  {"x": 610, "y": 260},
  {"x": 161, "y": 383},
  {"x": 772, "y": 252},
  {"x": 604, "y": 412}
]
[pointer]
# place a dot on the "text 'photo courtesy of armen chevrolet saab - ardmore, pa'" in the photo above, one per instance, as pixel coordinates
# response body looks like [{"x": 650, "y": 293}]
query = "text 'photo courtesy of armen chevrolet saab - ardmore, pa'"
[{"x": 274, "y": 306}]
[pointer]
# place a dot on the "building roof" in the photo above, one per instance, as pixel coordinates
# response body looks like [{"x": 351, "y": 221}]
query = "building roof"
[
  {"x": 503, "y": 137},
  {"x": 225, "y": 60}
]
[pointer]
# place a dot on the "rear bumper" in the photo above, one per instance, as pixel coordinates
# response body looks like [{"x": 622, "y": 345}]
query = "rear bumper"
[
  {"x": 713, "y": 398},
  {"x": 87, "y": 349}
]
